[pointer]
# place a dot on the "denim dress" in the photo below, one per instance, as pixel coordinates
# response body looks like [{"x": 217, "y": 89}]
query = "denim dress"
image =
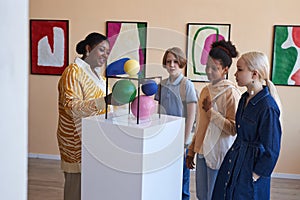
[{"x": 256, "y": 149}]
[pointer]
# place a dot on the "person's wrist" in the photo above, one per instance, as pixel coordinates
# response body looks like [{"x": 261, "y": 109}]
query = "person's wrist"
[
  {"x": 209, "y": 109},
  {"x": 254, "y": 179},
  {"x": 100, "y": 103}
]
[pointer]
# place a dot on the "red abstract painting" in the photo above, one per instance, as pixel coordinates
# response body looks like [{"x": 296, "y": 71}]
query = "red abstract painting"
[{"x": 49, "y": 46}]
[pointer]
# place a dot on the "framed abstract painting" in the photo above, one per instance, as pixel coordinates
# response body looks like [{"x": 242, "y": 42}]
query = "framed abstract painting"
[
  {"x": 200, "y": 36},
  {"x": 286, "y": 55},
  {"x": 128, "y": 40},
  {"x": 49, "y": 46}
]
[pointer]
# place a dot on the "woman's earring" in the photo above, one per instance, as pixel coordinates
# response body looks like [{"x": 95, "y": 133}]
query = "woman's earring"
[
  {"x": 252, "y": 91},
  {"x": 87, "y": 54}
]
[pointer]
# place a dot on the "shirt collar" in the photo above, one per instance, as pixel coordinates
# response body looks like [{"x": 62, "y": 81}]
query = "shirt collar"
[
  {"x": 81, "y": 63},
  {"x": 87, "y": 69},
  {"x": 262, "y": 94},
  {"x": 177, "y": 81}
]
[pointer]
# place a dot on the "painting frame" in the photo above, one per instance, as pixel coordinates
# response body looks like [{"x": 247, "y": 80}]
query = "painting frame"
[
  {"x": 285, "y": 64},
  {"x": 199, "y": 39},
  {"x": 49, "y": 46},
  {"x": 128, "y": 39}
]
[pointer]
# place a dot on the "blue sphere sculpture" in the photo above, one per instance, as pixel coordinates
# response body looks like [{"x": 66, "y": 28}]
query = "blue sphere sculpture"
[{"x": 149, "y": 88}]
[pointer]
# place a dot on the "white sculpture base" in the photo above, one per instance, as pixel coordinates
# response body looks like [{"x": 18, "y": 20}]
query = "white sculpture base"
[{"x": 129, "y": 161}]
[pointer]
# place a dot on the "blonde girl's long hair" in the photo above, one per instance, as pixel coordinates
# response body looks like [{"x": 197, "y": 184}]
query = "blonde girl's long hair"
[{"x": 259, "y": 61}]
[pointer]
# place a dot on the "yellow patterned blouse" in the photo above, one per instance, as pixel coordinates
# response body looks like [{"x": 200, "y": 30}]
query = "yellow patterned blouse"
[{"x": 78, "y": 88}]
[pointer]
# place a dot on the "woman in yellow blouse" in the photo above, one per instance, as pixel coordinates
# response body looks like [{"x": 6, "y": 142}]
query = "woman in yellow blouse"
[{"x": 81, "y": 93}]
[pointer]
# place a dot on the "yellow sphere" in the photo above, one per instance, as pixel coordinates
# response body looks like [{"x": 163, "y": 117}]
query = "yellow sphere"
[{"x": 131, "y": 67}]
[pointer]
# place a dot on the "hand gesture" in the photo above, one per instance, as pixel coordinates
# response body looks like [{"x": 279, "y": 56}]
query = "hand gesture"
[
  {"x": 206, "y": 104},
  {"x": 190, "y": 162}
]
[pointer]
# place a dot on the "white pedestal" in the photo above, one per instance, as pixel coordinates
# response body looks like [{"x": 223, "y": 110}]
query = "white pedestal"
[{"x": 129, "y": 161}]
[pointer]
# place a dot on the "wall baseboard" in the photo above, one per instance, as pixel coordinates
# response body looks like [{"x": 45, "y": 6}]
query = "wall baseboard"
[
  {"x": 57, "y": 157},
  {"x": 44, "y": 156},
  {"x": 287, "y": 176}
]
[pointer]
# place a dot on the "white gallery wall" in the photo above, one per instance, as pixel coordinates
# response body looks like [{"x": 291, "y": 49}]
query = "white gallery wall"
[{"x": 14, "y": 98}]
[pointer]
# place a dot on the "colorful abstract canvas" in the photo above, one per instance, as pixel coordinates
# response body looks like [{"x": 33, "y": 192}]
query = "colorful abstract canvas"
[
  {"x": 127, "y": 41},
  {"x": 199, "y": 40},
  {"x": 49, "y": 46},
  {"x": 286, "y": 55}
]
